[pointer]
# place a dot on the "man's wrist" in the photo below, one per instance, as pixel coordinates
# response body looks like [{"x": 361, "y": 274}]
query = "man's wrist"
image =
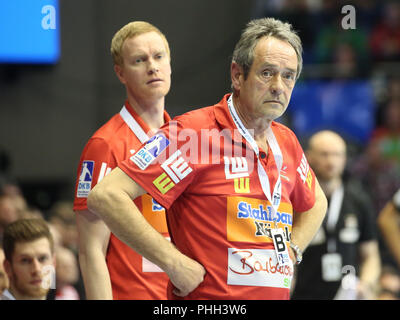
[{"x": 297, "y": 252}]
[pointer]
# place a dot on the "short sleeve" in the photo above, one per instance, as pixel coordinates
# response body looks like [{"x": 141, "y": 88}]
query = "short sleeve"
[
  {"x": 303, "y": 193},
  {"x": 96, "y": 161},
  {"x": 160, "y": 166}
]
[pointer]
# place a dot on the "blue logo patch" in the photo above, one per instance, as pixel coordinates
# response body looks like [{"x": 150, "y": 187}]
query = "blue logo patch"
[
  {"x": 151, "y": 150},
  {"x": 156, "y": 145},
  {"x": 85, "y": 179}
]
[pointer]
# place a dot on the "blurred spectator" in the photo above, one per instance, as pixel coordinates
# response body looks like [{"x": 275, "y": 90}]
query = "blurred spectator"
[
  {"x": 29, "y": 259},
  {"x": 345, "y": 62},
  {"x": 387, "y": 88},
  {"x": 62, "y": 221},
  {"x": 394, "y": 88},
  {"x": 4, "y": 283},
  {"x": 8, "y": 211},
  {"x": 367, "y": 11},
  {"x": 385, "y": 37},
  {"x": 389, "y": 283},
  {"x": 347, "y": 237},
  {"x": 63, "y": 218},
  {"x": 67, "y": 274},
  {"x": 56, "y": 235},
  {"x": 333, "y": 42},
  {"x": 388, "y": 135},
  {"x": 378, "y": 167},
  {"x": 31, "y": 213},
  {"x": 389, "y": 224}
]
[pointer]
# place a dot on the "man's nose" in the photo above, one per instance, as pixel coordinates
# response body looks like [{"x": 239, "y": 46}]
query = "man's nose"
[
  {"x": 277, "y": 84},
  {"x": 153, "y": 67},
  {"x": 36, "y": 266}
]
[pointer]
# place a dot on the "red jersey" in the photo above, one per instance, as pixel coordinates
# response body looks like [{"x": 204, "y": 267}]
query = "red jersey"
[
  {"x": 203, "y": 172},
  {"x": 132, "y": 276}
]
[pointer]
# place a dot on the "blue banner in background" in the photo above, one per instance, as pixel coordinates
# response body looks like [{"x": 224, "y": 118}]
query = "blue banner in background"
[
  {"x": 347, "y": 107},
  {"x": 29, "y": 31}
]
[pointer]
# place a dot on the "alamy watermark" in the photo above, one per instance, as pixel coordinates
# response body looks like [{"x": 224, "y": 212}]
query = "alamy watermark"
[
  {"x": 49, "y": 21},
  {"x": 48, "y": 277},
  {"x": 349, "y": 20}
]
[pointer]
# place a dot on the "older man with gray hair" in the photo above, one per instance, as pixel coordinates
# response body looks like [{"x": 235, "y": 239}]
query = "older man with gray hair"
[{"x": 237, "y": 225}]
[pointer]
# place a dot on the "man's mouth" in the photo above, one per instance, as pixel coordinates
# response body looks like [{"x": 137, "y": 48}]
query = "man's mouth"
[
  {"x": 273, "y": 101},
  {"x": 153, "y": 80},
  {"x": 36, "y": 282}
]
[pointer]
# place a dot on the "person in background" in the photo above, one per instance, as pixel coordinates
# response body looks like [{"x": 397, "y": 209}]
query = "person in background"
[
  {"x": 389, "y": 225},
  {"x": 4, "y": 283},
  {"x": 63, "y": 218},
  {"x": 29, "y": 260},
  {"x": 389, "y": 284},
  {"x": 347, "y": 240},
  {"x": 67, "y": 274},
  {"x": 110, "y": 269},
  {"x": 9, "y": 212}
]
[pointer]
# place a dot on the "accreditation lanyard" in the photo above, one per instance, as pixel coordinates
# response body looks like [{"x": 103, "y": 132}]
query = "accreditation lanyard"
[
  {"x": 275, "y": 197},
  {"x": 335, "y": 206}
]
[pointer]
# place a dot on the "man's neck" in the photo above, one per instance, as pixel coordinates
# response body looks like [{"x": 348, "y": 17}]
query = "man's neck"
[
  {"x": 258, "y": 125},
  {"x": 152, "y": 112},
  {"x": 329, "y": 186}
]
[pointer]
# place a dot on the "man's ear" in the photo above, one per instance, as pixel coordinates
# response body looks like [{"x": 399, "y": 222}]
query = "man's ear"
[
  {"x": 7, "y": 268},
  {"x": 120, "y": 73},
  {"x": 236, "y": 76}
]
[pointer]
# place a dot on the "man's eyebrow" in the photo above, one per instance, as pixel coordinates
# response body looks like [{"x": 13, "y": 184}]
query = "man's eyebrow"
[
  {"x": 290, "y": 70},
  {"x": 269, "y": 65}
]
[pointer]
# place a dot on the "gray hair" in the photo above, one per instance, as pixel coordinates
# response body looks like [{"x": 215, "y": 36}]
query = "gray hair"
[{"x": 243, "y": 54}]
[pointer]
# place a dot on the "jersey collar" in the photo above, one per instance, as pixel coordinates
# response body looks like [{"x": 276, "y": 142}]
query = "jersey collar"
[
  {"x": 224, "y": 118},
  {"x": 140, "y": 121}
]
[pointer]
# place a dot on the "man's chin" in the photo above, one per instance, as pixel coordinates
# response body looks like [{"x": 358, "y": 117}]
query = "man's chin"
[{"x": 35, "y": 292}]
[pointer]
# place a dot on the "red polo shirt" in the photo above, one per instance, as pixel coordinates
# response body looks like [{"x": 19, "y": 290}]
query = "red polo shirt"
[
  {"x": 132, "y": 277},
  {"x": 201, "y": 169}
]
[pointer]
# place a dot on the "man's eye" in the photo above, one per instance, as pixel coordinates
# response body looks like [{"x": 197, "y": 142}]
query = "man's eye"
[
  {"x": 267, "y": 73},
  {"x": 43, "y": 258},
  {"x": 289, "y": 76}
]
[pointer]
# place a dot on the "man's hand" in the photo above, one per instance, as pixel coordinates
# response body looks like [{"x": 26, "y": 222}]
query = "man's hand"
[{"x": 186, "y": 275}]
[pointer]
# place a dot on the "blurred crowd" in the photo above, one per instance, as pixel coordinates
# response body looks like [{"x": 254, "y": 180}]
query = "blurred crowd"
[
  {"x": 371, "y": 51},
  {"x": 62, "y": 225}
]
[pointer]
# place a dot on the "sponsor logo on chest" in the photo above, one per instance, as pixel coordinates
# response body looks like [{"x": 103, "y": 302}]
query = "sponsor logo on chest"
[
  {"x": 257, "y": 267},
  {"x": 251, "y": 220}
]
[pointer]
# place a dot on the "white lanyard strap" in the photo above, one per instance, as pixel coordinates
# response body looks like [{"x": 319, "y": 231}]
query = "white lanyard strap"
[
  {"x": 335, "y": 206},
  {"x": 275, "y": 198},
  {"x": 133, "y": 125}
]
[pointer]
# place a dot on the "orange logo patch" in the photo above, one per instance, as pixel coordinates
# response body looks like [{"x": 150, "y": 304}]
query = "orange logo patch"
[{"x": 250, "y": 219}]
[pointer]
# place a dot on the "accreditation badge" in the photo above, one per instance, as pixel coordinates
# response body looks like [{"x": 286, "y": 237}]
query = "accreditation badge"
[
  {"x": 280, "y": 247},
  {"x": 331, "y": 267}
]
